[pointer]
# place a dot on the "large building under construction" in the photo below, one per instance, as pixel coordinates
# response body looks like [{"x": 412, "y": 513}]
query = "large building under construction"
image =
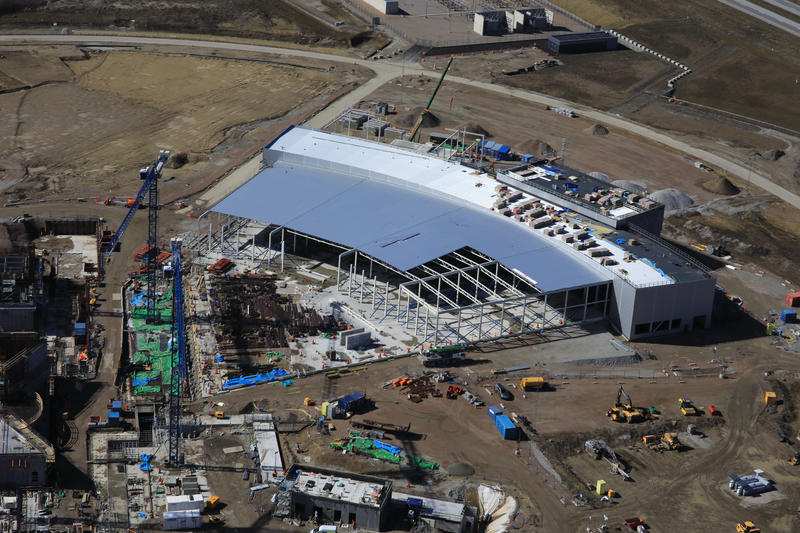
[{"x": 456, "y": 255}]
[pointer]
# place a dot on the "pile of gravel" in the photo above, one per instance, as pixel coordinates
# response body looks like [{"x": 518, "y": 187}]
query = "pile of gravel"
[
  {"x": 600, "y": 176},
  {"x": 673, "y": 199}
]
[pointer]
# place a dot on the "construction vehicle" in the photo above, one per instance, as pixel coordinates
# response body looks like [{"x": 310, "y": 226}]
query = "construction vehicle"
[
  {"x": 626, "y": 412},
  {"x": 687, "y": 407},
  {"x": 219, "y": 414},
  {"x": 795, "y": 460},
  {"x": 415, "y": 130},
  {"x": 454, "y": 391},
  {"x": 212, "y": 503},
  {"x": 747, "y": 527},
  {"x": 308, "y": 401}
]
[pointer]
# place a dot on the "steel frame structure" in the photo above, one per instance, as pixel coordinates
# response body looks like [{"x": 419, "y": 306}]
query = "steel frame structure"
[
  {"x": 461, "y": 297},
  {"x": 179, "y": 373}
]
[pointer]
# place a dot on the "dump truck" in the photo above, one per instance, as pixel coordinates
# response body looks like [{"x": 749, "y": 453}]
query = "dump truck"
[
  {"x": 687, "y": 407},
  {"x": 747, "y": 527},
  {"x": 212, "y": 503}
]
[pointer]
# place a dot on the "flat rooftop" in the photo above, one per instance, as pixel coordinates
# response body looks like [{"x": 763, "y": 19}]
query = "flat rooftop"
[
  {"x": 438, "y": 509},
  {"x": 352, "y": 488},
  {"x": 584, "y": 36},
  {"x": 582, "y": 189}
]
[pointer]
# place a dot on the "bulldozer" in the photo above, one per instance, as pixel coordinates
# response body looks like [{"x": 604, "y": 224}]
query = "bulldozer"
[
  {"x": 626, "y": 412},
  {"x": 747, "y": 527}
]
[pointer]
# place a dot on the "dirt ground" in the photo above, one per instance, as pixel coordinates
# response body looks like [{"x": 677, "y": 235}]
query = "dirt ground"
[
  {"x": 275, "y": 20},
  {"x": 734, "y": 67},
  {"x": 452, "y": 432},
  {"x": 90, "y": 121},
  {"x": 603, "y": 80}
]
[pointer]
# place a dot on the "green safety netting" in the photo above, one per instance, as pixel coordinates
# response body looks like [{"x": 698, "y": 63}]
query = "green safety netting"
[{"x": 148, "y": 342}]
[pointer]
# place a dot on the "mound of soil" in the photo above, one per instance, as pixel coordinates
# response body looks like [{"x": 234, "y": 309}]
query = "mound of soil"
[
  {"x": 409, "y": 119},
  {"x": 632, "y": 186},
  {"x": 673, "y": 199},
  {"x": 598, "y": 129},
  {"x": 772, "y": 155},
  {"x": 536, "y": 147},
  {"x": 460, "y": 469},
  {"x": 474, "y": 127},
  {"x": 721, "y": 185}
]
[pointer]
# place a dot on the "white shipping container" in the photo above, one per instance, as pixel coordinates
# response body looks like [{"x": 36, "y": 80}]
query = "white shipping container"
[
  {"x": 185, "y": 502},
  {"x": 182, "y": 520}
]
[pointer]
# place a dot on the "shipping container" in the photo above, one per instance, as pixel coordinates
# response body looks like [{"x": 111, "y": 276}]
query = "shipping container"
[
  {"x": 534, "y": 383},
  {"x": 185, "y": 502},
  {"x": 116, "y": 405},
  {"x": 494, "y": 411},
  {"x": 186, "y": 519},
  {"x": 788, "y": 316},
  {"x": 506, "y": 427},
  {"x": 793, "y": 299},
  {"x": 351, "y": 402}
]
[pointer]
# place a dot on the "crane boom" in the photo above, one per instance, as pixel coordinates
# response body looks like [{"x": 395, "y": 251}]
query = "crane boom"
[
  {"x": 620, "y": 393},
  {"x": 149, "y": 175},
  {"x": 178, "y": 374},
  {"x": 418, "y": 124}
]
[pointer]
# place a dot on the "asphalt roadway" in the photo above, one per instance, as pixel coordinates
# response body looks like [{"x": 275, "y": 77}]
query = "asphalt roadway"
[
  {"x": 769, "y": 16},
  {"x": 386, "y": 71}
]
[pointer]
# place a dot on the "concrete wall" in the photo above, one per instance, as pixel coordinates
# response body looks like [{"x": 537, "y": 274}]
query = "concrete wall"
[
  {"x": 366, "y": 517},
  {"x": 17, "y": 316},
  {"x": 22, "y": 471},
  {"x": 360, "y": 339},
  {"x": 663, "y": 309},
  {"x": 390, "y": 7}
]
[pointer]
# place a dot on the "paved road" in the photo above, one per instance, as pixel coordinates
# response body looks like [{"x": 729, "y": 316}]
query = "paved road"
[
  {"x": 770, "y": 17},
  {"x": 384, "y": 72},
  {"x": 786, "y": 5}
]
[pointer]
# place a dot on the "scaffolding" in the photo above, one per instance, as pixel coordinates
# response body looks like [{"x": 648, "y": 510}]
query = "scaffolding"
[{"x": 461, "y": 297}]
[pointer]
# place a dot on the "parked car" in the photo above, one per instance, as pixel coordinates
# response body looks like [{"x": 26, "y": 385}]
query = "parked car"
[{"x": 503, "y": 393}]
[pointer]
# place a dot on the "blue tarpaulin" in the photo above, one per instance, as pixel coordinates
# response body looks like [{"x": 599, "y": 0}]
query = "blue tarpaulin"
[
  {"x": 138, "y": 300},
  {"x": 145, "y": 466},
  {"x": 394, "y": 450},
  {"x": 255, "y": 379},
  {"x": 141, "y": 382}
]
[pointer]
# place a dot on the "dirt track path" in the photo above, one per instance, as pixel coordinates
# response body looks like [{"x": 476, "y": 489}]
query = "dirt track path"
[{"x": 386, "y": 71}]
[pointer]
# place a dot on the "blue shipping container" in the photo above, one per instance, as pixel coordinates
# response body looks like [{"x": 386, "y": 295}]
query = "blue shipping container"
[
  {"x": 351, "y": 402},
  {"x": 503, "y": 152},
  {"x": 494, "y": 411},
  {"x": 116, "y": 405},
  {"x": 788, "y": 316},
  {"x": 506, "y": 427}
]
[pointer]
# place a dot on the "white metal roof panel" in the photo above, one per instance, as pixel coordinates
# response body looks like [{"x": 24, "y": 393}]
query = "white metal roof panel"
[{"x": 400, "y": 226}]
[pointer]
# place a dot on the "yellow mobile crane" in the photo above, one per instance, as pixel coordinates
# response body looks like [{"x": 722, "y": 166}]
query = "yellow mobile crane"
[{"x": 415, "y": 130}]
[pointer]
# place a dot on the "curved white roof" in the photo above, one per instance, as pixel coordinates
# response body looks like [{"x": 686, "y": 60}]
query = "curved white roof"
[{"x": 400, "y": 207}]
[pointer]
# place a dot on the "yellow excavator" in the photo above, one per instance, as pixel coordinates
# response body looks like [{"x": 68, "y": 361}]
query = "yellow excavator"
[
  {"x": 626, "y": 412},
  {"x": 747, "y": 527},
  {"x": 415, "y": 130}
]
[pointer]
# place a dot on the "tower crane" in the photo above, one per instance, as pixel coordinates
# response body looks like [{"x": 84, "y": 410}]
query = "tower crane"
[
  {"x": 150, "y": 176},
  {"x": 178, "y": 372},
  {"x": 415, "y": 130}
]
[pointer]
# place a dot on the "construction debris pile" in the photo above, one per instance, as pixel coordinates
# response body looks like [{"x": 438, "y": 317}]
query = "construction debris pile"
[{"x": 249, "y": 313}]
